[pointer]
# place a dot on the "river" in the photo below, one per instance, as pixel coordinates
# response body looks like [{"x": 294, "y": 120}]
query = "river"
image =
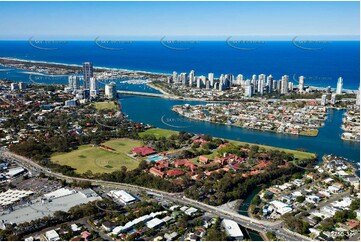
[{"x": 157, "y": 112}]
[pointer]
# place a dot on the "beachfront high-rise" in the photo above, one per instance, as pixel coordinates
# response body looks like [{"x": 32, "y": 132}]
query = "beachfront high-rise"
[
  {"x": 175, "y": 77},
  {"x": 284, "y": 84},
  {"x": 88, "y": 73},
  {"x": 339, "y": 85},
  {"x": 301, "y": 83},
  {"x": 191, "y": 78},
  {"x": 211, "y": 79},
  {"x": 270, "y": 83}
]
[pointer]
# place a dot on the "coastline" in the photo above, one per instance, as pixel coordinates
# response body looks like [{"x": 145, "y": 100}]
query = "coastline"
[{"x": 99, "y": 68}]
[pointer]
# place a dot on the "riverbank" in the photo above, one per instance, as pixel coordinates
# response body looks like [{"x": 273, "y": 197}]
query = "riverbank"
[{"x": 309, "y": 133}]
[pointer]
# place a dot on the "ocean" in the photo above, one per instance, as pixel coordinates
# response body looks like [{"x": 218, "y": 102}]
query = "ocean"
[{"x": 321, "y": 63}]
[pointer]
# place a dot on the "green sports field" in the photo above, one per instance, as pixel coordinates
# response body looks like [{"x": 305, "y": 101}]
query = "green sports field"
[
  {"x": 159, "y": 132},
  {"x": 108, "y": 105},
  {"x": 97, "y": 159}
]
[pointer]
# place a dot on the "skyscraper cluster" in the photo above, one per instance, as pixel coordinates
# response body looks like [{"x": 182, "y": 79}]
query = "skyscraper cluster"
[
  {"x": 260, "y": 84},
  {"x": 90, "y": 88}
]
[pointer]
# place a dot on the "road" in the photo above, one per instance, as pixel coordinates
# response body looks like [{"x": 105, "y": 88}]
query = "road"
[
  {"x": 143, "y": 94},
  {"x": 247, "y": 222}
]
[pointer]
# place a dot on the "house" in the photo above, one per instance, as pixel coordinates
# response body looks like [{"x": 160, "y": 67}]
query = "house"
[
  {"x": 154, "y": 171},
  {"x": 85, "y": 235},
  {"x": 353, "y": 224},
  {"x": 175, "y": 173},
  {"x": 108, "y": 226},
  {"x": 313, "y": 199},
  {"x": 143, "y": 151},
  {"x": 52, "y": 235},
  {"x": 311, "y": 176},
  {"x": 170, "y": 237},
  {"x": 333, "y": 189},
  {"x": 203, "y": 159},
  {"x": 190, "y": 211},
  {"x": 74, "y": 227}
]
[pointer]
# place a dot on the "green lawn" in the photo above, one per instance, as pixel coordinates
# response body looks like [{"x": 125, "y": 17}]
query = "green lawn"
[
  {"x": 298, "y": 154},
  {"x": 108, "y": 105},
  {"x": 159, "y": 132},
  {"x": 98, "y": 159},
  {"x": 311, "y": 132},
  {"x": 167, "y": 133}
]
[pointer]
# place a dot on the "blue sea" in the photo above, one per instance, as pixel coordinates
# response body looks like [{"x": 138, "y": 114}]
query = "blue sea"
[{"x": 321, "y": 65}]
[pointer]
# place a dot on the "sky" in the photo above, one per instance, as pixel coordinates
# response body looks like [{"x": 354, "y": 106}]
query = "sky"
[{"x": 87, "y": 20}]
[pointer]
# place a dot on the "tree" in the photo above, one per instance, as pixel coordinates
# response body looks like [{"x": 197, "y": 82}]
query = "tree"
[
  {"x": 300, "y": 199},
  {"x": 355, "y": 205},
  {"x": 214, "y": 234}
]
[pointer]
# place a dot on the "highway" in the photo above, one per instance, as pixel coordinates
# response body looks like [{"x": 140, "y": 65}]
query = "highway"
[{"x": 250, "y": 223}]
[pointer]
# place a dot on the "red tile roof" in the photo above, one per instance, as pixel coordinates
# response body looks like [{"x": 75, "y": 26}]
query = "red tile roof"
[
  {"x": 143, "y": 150},
  {"x": 175, "y": 173},
  {"x": 156, "y": 172}
]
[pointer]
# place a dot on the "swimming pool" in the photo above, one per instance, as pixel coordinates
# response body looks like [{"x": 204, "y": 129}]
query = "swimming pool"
[{"x": 155, "y": 158}]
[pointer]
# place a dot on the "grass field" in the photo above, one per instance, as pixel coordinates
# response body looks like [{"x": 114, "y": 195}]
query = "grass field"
[
  {"x": 109, "y": 105},
  {"x": 298, "y": 154},
  {"x": 98, "y": 159},
  {"x": 311, "y": 132},
  {"x": 166, "y": 133},
  {"x": 159, "y": 132}
]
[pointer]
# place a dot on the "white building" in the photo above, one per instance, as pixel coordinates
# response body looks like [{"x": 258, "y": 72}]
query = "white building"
[
  {"x": 211, "y": 79},
  {"x": 183, "y": 78},
  {"x": 111, "y": 90},
  {"x": 14, "y": 86},
  {"x": 52, "y": 235},
  {"x": 301, "y": 83},
  {"x": 313, "y": 199},
  {"x": 339, "y": 85},
  {"x": 12, "y": 172},
  {"x": 248, "y": 91},
  {"x": 284, "y": 84},
  {"x": 270, "y": 83},
  {"x": 191, "y": 78},
  {"x": 93, "y": 87},
  {"x": 282, "y": 208},
  {"x": 333, "y": 99},
  {"x": 190, "y": 211},
  {"x": 232, "y": 229},
  {"x": 74, "y": 83},
  {"x": 323, "y": 100},
  {"x": 122, "y": 196},
  {"x": 154, "y": 223},
  {"x": 175, "y": 77}
]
